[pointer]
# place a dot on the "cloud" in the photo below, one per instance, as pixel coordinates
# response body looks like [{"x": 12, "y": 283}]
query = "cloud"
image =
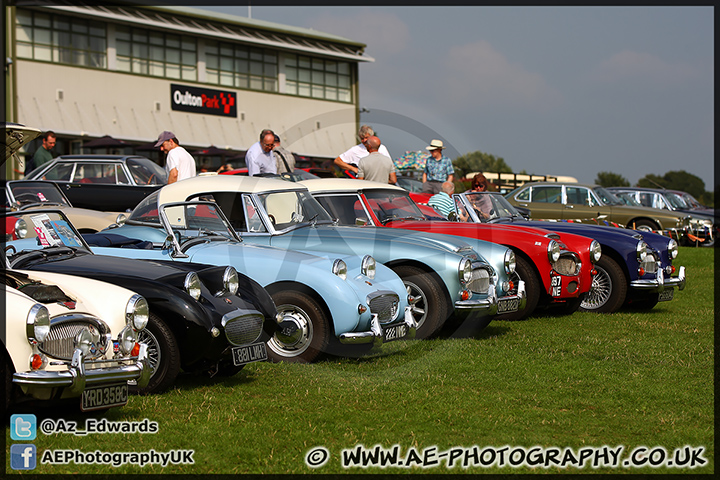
[
  {"x": 384, "y": 33},
  {"x": 478, "y": 74},
  {"x": 629, "y": 66}
]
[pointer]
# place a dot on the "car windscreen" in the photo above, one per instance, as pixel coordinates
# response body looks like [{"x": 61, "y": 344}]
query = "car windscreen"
[
  {"x": 389, "y": 205},
  {"x": 33, "y": 193},
  {"x": 290, "y": 208},
  {"x": 606, "y": 197},
  {"x": 146, "y": 172}
]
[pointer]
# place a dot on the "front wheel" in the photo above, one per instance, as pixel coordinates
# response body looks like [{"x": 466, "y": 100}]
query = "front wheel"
[
  {"x": 428, "y": 305},
  {"x": 643, "y": 226},
  {"x": 304, "y": 332},
  {"x": 608, "y": 290},
  {"x": 163, "y": 353}
]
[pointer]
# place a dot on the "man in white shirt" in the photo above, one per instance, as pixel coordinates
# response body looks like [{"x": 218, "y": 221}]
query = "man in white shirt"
[
  {"x": 350, "y": 159},
  {"x": 179, "y": 164},
  {"x": 260, "y": 158}
]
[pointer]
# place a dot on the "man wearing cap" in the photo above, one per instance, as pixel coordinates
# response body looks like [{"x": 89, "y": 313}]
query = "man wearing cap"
[
  {"x": 284, "y": 159},
  {"x": 179, "y": 164},
  {"x": 438, "y": 169},
  {"x": 350, "y": 159},
  {"x": 260, "y": 158}
]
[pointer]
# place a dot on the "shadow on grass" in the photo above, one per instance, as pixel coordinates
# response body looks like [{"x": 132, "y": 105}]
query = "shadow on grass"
[{"x": 188, "y": 381}]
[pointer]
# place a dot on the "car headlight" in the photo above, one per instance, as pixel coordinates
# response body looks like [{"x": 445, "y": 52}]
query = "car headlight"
[
  {"x": 465, "y": 271},
  {"x": 641, "y": 250},
  {"x": 84, "y": 340},
  {"x": 231, "y": 282},
  {"x": 595, "y": 251},
  {"x": 339, "y": 268},
  {"x": 38, "y": 324},
  {"x": 672, "y": 249},
  {"x": 137, "y": 312},
  {"x": 20, "y": 228},
  {"x": 126, "y": 340},
  {"x": 192, "y": 285},
  {"x": 509, "y": 261},
  {"x": 553, "y": 250},
  {"x": 368, "y": 266}
]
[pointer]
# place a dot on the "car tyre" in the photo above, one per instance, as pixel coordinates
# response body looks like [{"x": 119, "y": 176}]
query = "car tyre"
[
  {"x": 163, "y": 353},
  {"x": 305, "y": 331},
  {"x": 644, "y": 226},
  {"x": 429, "y": 308},
  {"x": 608, "y": 290},
  {"x": 532, "y": 289}
]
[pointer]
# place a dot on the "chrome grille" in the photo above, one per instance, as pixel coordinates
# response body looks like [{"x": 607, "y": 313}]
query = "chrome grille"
[
  {"x": 60, "y": 342},
  {"x": 242, "y": 329},
  {"x": 480, "y": 280},
  {"x": 649, "y": 264},
  {"x": 385, "y": 305},
  {"x": 567, "y": 265}
]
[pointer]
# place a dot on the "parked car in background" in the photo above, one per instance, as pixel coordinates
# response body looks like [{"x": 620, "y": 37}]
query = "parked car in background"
[
  {"x": 64, "y": 343},
  {"x": 442, "y": 274},
  {"x": 594, "y": 204},
  {"x": 636, "y": 268},
  {"x": 553, "y": 273},
  {"x": 202, "y": 319},
  {"x": 693, "y": 203},
  {"x": 706, "y": 232},
  {"x": 328, "y": 303},
  {"x": 23, "y": 195},
  {"x": 111, "y": 183}
]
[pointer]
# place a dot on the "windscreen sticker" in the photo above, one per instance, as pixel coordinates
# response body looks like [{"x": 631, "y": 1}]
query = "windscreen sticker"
[
  {"x": 54, "y": 232},
  {"x": 41, "y": 197}
]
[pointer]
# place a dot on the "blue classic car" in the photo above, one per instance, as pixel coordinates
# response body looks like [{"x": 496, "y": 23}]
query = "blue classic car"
[
  {"x": 635, "y": 268},
  {"x": 326, "y": 303},
  {"x": 443, "y": 274}
]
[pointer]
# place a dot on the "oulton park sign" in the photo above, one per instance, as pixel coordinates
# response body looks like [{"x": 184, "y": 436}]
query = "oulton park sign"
[{"x": 203, "y": 100}]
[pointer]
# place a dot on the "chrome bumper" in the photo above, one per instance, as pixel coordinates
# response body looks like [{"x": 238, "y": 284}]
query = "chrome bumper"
[
  {"x": 77, "y": 377},
  {"x": 490, "y": 303},
  {"x": 660, "y": 282},
  {"x": 375, "y": 335}
]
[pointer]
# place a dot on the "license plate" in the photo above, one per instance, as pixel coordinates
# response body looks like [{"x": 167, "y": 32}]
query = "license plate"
[
  {"x": 395, "y": 332},
  {"x": 555, "y": 285},
  {"x": 508, "y": 305},
  {"x": 666, "y": 295},
  {"x": 95, "y": 398},
  {"x": 249, "y": 353}
]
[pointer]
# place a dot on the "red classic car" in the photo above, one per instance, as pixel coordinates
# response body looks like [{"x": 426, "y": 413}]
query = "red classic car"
[{"x": 557, "y": 267}]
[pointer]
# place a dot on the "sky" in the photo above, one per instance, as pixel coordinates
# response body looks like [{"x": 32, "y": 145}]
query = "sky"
[{"x": 552, "y": 90}]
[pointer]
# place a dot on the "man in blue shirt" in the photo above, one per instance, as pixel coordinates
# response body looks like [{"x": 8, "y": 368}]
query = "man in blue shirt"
[{"x": 438, "y": 169}]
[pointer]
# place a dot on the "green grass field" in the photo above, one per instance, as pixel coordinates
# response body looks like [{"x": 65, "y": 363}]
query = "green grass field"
[{"x": 630, "y": 380}]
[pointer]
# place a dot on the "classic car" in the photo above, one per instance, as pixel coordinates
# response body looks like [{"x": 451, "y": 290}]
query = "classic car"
[
  {"x": 556, "y": 271},
  {"x": 442, "y": 274},
  {"x": 61, "y": 343},
  {"x": 111, "y": 183},
  {"x": 23, "y": 195},
  {"x": 297, "y": 175},
  {"x": 202, "y": 318},
  {"x": 693, "y": 203},
  {"x": 635, "y": 269},
  {"x": 704, "y": 235},
  {"x": 334, "y": 304},
  {"x": 593, "y": 204}
]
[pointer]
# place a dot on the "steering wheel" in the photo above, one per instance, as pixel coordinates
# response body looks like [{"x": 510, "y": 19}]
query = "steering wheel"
[
  {"x": 7, "y": 249},
  {"x": 193, "y": 241},
  {"x": 150, "y": 179},
  {"x": 272, "y": 219},
  {"x": 28, "y": 198}
]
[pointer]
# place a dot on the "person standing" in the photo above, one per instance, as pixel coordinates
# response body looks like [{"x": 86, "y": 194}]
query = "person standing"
[
  {"x": 375, "y": 166},
  {"x": 438, "y": 169},
  {"x": 350, "y": 159},
  {"x": 179, "y": 164},
  {"x": 284, "y": 159},
  {"x": 443, "y": 202},
  {"x": 260, "y": 158},
  {"x": 42, "y": 154}
]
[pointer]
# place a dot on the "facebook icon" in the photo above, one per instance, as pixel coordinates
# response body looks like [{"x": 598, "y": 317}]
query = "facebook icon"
[{"x": 23, "y": 456}]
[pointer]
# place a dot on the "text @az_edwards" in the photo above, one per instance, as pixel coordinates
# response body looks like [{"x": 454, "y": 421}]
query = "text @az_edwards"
[{"x": 513, "y": 457}]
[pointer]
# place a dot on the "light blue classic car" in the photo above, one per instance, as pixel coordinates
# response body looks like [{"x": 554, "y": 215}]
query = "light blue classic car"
[
  {"x": 326, "y": 302},
  {"x": 443, "y": 274}
]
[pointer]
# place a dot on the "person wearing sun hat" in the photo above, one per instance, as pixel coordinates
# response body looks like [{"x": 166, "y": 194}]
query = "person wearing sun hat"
[{"x": 438, "y": 169}]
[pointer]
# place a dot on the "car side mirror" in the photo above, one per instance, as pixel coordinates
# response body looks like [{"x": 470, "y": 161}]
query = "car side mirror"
[{"x": 361, "y": 221}]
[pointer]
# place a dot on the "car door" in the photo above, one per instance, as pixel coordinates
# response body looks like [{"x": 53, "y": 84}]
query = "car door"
[{"x": 581, "y": 204}]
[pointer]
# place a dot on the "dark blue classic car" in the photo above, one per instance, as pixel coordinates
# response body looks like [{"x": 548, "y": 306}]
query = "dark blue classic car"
[{"x": 636, "y": 268}]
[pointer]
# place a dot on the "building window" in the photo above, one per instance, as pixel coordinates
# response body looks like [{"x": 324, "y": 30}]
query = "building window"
[
  {"x": 155, "y": 53},
  {"x": 241, "y": 67},
  {"x": 317, "y": 78},
  {"x": 61, "y": 39}
]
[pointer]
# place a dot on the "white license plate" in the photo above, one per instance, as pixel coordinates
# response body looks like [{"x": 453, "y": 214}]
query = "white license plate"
[
  {"x": 666, "y": 295},
  {"x": 508, "y": 305},
  {"x": 249, "y": 353},
  {"x": 555, "y": 285},
  {"x": 396, "y": 332},
  {"x": 95, "y": 398}
]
